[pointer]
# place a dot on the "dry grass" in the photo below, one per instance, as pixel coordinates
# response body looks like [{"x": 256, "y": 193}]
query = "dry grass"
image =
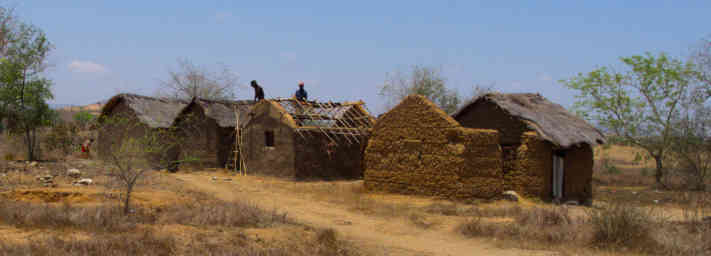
[
  {"x": 529, "y": 228},
  {"x": 613, "y": 228},
  {"x": 324, "y": 243},
  {"x": 109, "y": 232},
  {"x": 202, "y": 212},
  {"x": 142, "y": 243},
  {"x": 619, "y": 226}
]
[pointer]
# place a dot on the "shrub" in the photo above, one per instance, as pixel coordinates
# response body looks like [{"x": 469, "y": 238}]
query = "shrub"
[
  {"x": 220, "y": 213},
  {"x": 617, "y": 225},
  {"x": 140, "y": 243}
]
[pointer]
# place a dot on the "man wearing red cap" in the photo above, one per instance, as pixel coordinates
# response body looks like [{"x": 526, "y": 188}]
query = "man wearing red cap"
[{"x": 301, "y": 94}]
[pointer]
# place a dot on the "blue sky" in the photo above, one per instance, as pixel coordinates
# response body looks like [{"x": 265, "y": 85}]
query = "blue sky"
[{"x": 343, "y": 49}]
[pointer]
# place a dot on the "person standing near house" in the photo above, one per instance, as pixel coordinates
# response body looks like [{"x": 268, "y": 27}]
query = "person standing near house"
[
  {"x": 85, "y": 148},
  {"x": 301, "y": 94},
  {"x": 258, "y": 91}
]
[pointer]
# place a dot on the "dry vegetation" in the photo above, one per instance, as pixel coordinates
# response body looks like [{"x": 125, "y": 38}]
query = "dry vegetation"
[
  {"x": 629, "y": 215},
  {"x": 167, "y": 219}
]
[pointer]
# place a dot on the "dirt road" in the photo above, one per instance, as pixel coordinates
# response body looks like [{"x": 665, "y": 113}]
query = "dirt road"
[{"x": 378, "y": 235}]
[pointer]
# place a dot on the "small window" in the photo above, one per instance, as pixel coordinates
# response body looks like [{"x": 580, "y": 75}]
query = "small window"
[{"x": 269, "y": 138}]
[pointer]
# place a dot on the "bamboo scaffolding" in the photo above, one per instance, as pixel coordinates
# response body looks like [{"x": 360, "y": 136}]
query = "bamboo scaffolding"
[{"x": 332, "y": 119}]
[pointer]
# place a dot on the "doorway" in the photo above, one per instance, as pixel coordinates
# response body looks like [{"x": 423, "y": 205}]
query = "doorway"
[{"x": 558, "y": 175}]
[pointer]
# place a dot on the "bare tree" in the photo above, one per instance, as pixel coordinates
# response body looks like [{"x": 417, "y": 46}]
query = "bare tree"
[
  {"x": 191, "y": 80},
  {"x": 701, "y": 57},
  {"x": 134, "y": 150},
  {"x": 425, "y": 81},
  {"x": 691, "y": 151}
]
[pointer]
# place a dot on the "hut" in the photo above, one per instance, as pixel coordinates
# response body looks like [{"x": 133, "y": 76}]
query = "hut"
[
  {"x": 416, "y": 148},
  {"x": 547, "y": 151},
  {"x": 305, "y": 140},
  {"x": 140, "y": 115},
  {"x": 207, "y": 128}
]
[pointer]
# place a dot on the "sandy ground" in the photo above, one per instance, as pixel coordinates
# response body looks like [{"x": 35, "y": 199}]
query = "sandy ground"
[{"x": 378, "y": 235}]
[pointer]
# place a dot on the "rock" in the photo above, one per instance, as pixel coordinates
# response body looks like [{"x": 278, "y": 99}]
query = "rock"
[
  {"x": 45, "y": 178},
  {"x": 572, "y": 202},
  {"x": 84, "y": 182},
  {"x": 511, "y": 195},
  {"x": 74, "y": 173}
]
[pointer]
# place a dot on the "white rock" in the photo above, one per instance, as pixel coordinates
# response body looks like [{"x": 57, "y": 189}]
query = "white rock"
[
  {"x": 74, "y": 173},
  {"x": 511, "y": 195},
  {"x": 84, "y": 182}
]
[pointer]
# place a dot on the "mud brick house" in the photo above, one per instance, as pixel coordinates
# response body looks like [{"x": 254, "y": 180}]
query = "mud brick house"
[
  {"x": 416, "y": 148},
  {"x": 139, "y": 115},
  {"x": 547, "y": 151},
  {"x": 208, "y": 130},
  {"x": 306, "y": 140}
]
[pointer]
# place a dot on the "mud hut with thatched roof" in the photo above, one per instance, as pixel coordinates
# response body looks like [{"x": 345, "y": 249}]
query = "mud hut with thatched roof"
[
  {"x": 303, "y": 140},
  {"x": 547, "y": 151},
  {"x": 208, "y": 130},
  {"x": 416, "y": 148},
  {"x": 139, "y": 115}
]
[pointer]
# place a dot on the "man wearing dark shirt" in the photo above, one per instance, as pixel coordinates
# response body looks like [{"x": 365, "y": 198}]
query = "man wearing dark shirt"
[
  {"x": 301, "y": 94},
  {"x": 258, "y": 91}
]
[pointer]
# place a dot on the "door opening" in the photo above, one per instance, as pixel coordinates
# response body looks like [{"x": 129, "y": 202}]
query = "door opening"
[{"x": 558, "y": 175}]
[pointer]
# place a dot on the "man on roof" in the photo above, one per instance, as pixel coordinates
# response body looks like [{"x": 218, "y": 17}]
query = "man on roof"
[
  {"x": 301, "y": 94},
  {"x": 258, "y": 91}
]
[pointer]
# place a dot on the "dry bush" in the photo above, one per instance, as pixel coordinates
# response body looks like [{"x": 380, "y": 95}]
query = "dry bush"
[
  {"x": 621, "y": 226},
  {"x": 101, "y": 219},
  {"x": 546, "y": 226},
  {"x": 421, "y": 220},
  {"x": 506, "y": 211},
  {"x": 440, "y": 208},
  {"x": 545, "y": 216},
  {"x": 140, "y": 243},
  {"x": 221, "y": 213},
  {"x": 98, "y": 219},
  {"x": 324, "y": 243}
]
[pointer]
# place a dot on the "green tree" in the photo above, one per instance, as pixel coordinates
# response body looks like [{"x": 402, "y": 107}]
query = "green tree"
[
  {"x": 641, "y": 103},
  {"x": 24, "y": 90},
  {"x": 83, "y": 118},
  {"x": 425, "y": 81}
]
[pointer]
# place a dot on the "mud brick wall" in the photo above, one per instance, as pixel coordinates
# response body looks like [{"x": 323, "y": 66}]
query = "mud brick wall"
[
  {"x": 578, "y": 173},
  {"x": 201, "y": 139},
  {"x": 531, "y": 175},
  {"x": 277, "y": 160},
  {"x": 416, "y": 148},
  {"x": 313, "y": 160},
  {"x": 487, "y": 115}
]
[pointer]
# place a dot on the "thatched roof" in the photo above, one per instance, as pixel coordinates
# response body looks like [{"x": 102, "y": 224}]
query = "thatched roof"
[
  {"x": 154, "y": 112},
  {"x": 552, "y": 122},
  {"x": 224, "y": 111}
]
